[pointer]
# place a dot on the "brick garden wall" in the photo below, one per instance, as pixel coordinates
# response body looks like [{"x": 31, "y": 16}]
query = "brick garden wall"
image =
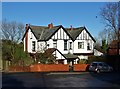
[
  {"x": 19, "y": 68},
  {"x": 81, "y": 67},
  {"x": 48, "y": 68}
]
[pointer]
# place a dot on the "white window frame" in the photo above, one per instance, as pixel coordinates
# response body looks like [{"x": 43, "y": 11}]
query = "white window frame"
[{"x": 80, "y": 45}]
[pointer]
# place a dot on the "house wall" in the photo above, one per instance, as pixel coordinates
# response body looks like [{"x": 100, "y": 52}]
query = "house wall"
[
  {"x": 97, "y": 53},
  {"x": 50, "y": 43},
  {"x": 59, "y": 57},
  {"x": 41, "y": 46},
  {"x": 60, "y": 36},
  {"x": 113, "y": 51},
  {"x": 31, "y": 38},
  {"x": 24, "y": 43},
  {"x": 85, "y": 38}
]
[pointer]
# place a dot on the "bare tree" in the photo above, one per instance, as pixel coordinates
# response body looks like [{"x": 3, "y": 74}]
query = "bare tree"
[
  {"x": 109, "y": 15},
  {"x": 5, "y": 27},
  {"x": 13, "y": 32},
  {"x": 107, "y": 34}
]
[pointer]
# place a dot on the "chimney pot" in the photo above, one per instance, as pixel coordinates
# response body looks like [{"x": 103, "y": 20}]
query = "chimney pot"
[
  {"x": 71, "y": 28},
  {"x": 50, "y": 25}
]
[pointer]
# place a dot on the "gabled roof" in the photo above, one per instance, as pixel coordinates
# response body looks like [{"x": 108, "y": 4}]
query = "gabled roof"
[
  {"x": 50, "y": 51},
  {"x": 89, "y": 34},
  {"x": 74, "y": 32},
  {"x": 43, "y": 33},
  {"x": 70, "y": 56}
]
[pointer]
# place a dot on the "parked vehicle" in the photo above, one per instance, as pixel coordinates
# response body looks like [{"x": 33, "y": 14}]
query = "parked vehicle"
[{"x": 100, "y": 67}]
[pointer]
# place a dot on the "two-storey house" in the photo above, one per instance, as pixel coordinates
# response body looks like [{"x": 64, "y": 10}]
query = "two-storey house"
[{"x": 67, "y": 44}]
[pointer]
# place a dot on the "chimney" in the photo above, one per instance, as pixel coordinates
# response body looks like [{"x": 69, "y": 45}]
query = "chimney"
[
  {"x": 26, "y": 27},
  {"x": 71, "y": 28},
  {"x": 50, "y": 26}
]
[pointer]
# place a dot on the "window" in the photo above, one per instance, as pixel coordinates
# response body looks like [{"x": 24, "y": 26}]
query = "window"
[
  {"x": 88, "y": 46},
  {"x": 33, "y": 45},
  {"x": 100, "y": 64},
  {"x": 65, "y": 44},
  {"x": 70, "y": 45},
  {"x": 94, "y": 64},
  {"x": 54, "y": 43},
  {"x": 80, "y": 45}
]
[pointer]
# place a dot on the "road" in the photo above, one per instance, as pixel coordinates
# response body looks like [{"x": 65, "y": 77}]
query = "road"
[{"x": 61, "y": 79}]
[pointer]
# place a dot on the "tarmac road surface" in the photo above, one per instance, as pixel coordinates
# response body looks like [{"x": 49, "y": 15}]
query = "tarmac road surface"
[{"x": 60, "y": 79}]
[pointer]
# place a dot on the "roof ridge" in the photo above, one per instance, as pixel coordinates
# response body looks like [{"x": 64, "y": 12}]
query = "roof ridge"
[
  {"x": 37, "y": 26},
  {"x": 43, "y": 26},
  {"x": 76, "y": 27}
]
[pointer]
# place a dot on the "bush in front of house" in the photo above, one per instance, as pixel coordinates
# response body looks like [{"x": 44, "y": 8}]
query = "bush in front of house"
[{"x": 82, "y": 61}]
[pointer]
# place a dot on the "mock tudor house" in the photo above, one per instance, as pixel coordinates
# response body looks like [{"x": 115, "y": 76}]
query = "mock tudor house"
[{"x": 67, "y": 44}]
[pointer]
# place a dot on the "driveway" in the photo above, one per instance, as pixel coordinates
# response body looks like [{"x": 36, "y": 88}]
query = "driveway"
[{"x": 60, "y": 79}]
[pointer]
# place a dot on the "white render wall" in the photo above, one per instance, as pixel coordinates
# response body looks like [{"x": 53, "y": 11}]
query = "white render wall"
[
  {"x": 41, "y": 46},
  {"x": 72, "y": 46},
  {"x": 97, "y": 53},
  {"x": 85, "y": 38},
  {"x": 58, "y": 55},
  {"x": 84, "y": 50},
  {"x": 60, "y": 45},
  {"x": 60, "y": 34},
  {"x": 31, "y": 38},
  {"x": 24, "y": 43},
  {"x": 65, "y": 61},
  {"x": 50, "y": 43}
]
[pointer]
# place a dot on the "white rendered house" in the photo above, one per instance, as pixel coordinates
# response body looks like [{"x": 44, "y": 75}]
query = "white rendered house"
[{"x": 71, "y": 44}]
